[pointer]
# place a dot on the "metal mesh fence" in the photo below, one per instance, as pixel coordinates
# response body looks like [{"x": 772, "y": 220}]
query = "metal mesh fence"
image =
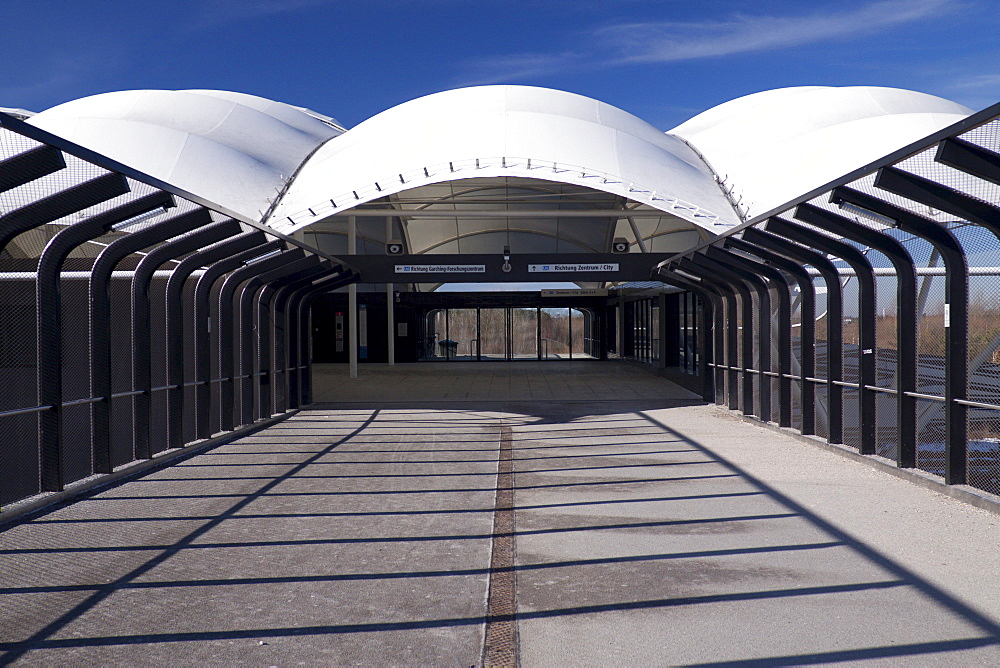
[
  {"x": 99, "y": 425},
  {"x": 984, "y": 449},
  {"x": 886, "y": 426},
  {"x": 931, "y": 433}
]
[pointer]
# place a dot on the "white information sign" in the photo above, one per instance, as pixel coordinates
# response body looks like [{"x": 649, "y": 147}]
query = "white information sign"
[
  {"x": 593, "y": 292},
  {"x": 440, "y": 268},
  {"x": 560, "y": 268}
]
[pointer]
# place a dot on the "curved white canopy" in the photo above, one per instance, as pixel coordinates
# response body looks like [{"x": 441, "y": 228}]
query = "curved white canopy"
[
  {"x": 774, "y": 146},
  {"x": 233, "y": 149},
  {"x": 293, "y": 168},
  {"x": 504, "y": 131}
]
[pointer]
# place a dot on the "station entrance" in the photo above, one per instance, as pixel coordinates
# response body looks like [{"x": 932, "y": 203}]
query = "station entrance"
[
  {"x": 510, "y": 333},
  {"x": 466, "y": 326}
]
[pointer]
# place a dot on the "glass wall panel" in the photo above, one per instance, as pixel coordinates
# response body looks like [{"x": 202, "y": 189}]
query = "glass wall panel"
[
  {"x": 462, "y": 333},
  {"x": 654, "y": 326},
  {"x": 524, "y": 333},
  {"x": 555, "y": 333},
  {"x": 493, "y": 333},
  {"x": 577, "y": 332}
]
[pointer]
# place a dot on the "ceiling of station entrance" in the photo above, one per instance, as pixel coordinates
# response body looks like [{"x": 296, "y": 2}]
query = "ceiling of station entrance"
[{"x": 544, "y": 233}]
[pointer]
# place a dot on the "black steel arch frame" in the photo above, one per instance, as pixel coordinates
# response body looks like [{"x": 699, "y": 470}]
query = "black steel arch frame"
[
  {"x": 807, "y": 308},
  {"x": 915, "y": 208},
  {"x": 711, "y": 300},
  {"x": 177, "y": 408},
  {"x": 98, "y": 226},
  {"x": 784, "y": 324},
  {"x": 866, "y": 317}
]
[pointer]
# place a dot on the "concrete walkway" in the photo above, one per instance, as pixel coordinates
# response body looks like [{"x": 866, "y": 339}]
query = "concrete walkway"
[{"x": 649, "y": 530}]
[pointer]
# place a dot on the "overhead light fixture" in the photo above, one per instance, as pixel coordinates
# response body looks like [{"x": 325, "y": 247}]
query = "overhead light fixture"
[
  {"x": 329, "y": 277},
  {"x": 684, "y": 274},
  {"x": 259, "y": 258},
  {"x": 141, "y": 218},
  {"x": 865, "y": 213}
]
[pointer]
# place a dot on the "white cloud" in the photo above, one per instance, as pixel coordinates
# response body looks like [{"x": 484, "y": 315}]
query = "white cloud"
[
  {"x": 984, "y": 82},
  {"x": 519, "y": 66},
  {"x": 673, "y": 41},
  {"x": 670, "y": 41}
]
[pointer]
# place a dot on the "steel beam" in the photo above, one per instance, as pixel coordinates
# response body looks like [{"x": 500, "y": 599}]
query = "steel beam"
[
  {"x": 141, "y": 327},
  {"x": 49, "y": 322},
  {"x": 61, "y": 204},
  {"x": 835, "y": 341},
  {"x": 957, "y": 309},
  {"x": 866, "y": 317},
  {"x": 939, "y": 196},
  {"x": 203, "y": 329},
  {"x": 177, "y": 351},
  {"x": 906, "y": 317},
  {"x": 100, "y": 321},
  {"x": 807, "y": 324},
  {"x": 29, "y": 166}
]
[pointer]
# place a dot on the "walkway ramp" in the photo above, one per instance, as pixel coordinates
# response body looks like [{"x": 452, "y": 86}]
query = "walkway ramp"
[{"x": 624, "y": 524}]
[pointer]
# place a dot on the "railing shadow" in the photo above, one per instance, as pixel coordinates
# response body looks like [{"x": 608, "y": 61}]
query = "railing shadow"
[{"x": 581, "y": 501}]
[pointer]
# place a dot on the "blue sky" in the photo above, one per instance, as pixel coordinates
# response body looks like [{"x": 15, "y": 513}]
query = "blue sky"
[{"x": 663, "y": 61}]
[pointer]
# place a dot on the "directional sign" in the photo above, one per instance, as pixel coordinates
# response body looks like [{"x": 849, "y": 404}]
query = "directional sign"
[
  {"x": 590, "y": 292},
  {"x": 440, "y": 268},
  {"x": 561, "y": 268}
]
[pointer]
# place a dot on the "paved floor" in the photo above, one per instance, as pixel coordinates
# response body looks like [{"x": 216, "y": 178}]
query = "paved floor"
[{"x": 644, "y": 530}]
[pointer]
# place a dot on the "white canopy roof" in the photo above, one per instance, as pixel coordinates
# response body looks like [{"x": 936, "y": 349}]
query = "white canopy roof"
[
  {"x": 233, "y": 149},
  {"x": 508, "y": 131},
  {"x": 293, "y": 168},
  {"x": 779, "y": 144}
]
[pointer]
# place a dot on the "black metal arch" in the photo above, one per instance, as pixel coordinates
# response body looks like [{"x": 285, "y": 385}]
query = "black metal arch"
[
  {"x": 711, "y": 301},
  {"x": 227, "y": 339},
  {"x": 866, "y": 316},
  {"x": 177, "y": 409},
  {"x": 807, "y": 309},
  {"x": 141, "y": 327},
  {"x": 248, "y": 373},
  {"x": 203, "y": 327},
  {"x": 730, "y": 342},
  {"x": 727, "y": 264},
  {"x": 273, "y": 343},
  {"x": 784, "y": 327},
  {"x": 906, "y": 317},
  {"x": 49, "y": 321},
  {"x": 956, "y": 329},
  {"x": 100, "y": 321},
  {"x": 834, "y": 314}
]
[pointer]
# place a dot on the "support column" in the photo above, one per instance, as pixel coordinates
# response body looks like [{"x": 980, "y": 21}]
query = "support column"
[
  {"x": 390, "y": 317},
  {"x": 390, "y": 304},
  {"x": 620, "y": 325},
  {"x": 352, "y": 302}
]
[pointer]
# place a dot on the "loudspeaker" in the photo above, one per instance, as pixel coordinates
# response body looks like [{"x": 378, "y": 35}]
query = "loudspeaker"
[
  {"x": 394, "y": 247},
  {"x": 619, "y": 245}
]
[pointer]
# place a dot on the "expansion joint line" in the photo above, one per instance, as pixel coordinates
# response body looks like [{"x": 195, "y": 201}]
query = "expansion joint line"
[{"x": 500, "y": 646}]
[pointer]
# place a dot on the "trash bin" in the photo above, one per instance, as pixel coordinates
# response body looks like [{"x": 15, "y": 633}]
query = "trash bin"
[{"x": 448, "y": 348}]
